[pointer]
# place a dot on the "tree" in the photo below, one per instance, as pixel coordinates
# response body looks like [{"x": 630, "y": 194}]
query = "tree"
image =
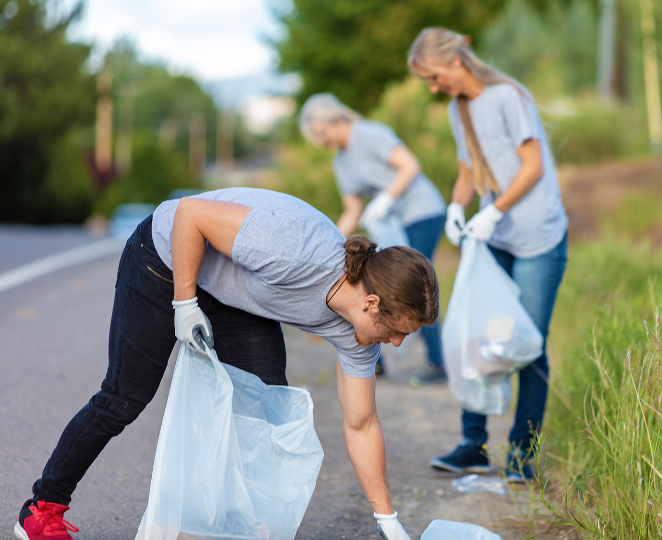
[
  {"x": 162, "y": 104},
  {"x": 353, "y": 48},
  {"x": 45, "y": 93}
]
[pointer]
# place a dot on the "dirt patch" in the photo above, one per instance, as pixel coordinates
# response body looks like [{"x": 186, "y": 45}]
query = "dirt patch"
[{"x": 590, "y": 193}]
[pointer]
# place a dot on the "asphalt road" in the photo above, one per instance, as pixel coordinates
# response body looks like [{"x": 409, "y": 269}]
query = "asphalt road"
[{"x": 54, "y": 338}]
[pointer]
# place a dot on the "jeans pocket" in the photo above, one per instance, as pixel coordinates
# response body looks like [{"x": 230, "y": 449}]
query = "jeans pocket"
[{"x": 122, "y": 259}]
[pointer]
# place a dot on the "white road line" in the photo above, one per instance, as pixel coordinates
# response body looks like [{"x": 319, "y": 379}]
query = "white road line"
[{"x": 28, "y": 272}]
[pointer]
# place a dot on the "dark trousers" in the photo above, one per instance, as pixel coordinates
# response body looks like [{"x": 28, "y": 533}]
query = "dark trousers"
[
  {"x": 142, "y": 336},
  {"x": 424, "y": 236},
  {"x": 538, "y": 278}
]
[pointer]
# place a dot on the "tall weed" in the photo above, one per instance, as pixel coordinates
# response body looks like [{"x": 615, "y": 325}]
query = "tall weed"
[
  {"x": 612, "y": 486},
  {"x": 604, "y": 425}
]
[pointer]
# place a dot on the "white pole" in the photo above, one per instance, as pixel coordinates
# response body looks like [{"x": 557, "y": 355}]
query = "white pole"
[{"x": 606, "y": 48}]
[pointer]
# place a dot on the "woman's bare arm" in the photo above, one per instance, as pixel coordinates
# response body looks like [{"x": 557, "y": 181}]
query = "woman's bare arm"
[
  {"x": 407, "y": 168},
  {"x": 464, "y": 191},
  {"x": 531, "y": 155},
  {"x": 349, "y": 219},
  {"x": 364, "y": 439}
]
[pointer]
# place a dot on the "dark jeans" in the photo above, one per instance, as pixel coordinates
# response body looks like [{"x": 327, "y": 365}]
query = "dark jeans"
[
  {"x": 424, "y": 236},
  {"x": 539, "y": 279},
  {"x": 142, "y": 336}
]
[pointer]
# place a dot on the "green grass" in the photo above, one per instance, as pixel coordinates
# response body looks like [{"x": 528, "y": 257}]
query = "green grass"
[
  {"x": 603, "y": 430},
  {"x": 636, "y": 214}
]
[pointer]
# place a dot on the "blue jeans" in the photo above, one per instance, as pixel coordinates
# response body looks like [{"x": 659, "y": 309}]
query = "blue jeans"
[
  {"x": 424, "y": 236},
  {"x": 539, "y": 279}
]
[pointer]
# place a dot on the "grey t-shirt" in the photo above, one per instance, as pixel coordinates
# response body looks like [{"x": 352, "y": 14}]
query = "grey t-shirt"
[
  {"x": 503, "y": 121},
  {"x": 285, "y": 258},
  {"x": 362, "y": 168}
]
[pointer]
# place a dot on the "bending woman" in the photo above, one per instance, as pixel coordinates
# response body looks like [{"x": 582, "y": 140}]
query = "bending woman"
[
  {"x": 237, "y": 263},
  {"x": 372, "y": 162},
  {"x": 504, "y": 157}
]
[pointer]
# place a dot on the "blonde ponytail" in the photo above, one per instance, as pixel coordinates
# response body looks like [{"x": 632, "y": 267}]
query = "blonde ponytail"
[{"x": 482, "y": 174}]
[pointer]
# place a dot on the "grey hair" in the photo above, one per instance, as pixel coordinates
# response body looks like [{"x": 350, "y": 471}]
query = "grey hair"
[{"x": 323, "y": 108}]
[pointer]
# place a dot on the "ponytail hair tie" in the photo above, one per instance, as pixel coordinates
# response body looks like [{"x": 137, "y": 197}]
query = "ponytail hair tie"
[{"x": 371, "y": 250}]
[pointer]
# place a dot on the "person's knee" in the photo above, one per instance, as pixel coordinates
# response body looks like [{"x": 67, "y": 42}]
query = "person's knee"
[{"x": 112, "y": 412}]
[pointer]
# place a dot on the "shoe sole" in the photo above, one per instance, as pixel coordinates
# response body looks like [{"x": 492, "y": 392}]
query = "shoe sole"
[
  {"x": 477, "y": 469},
  {"x": 19, "y": 532}
]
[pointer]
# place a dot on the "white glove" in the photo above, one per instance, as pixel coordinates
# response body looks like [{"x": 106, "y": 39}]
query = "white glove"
[
  {"x": 378, "y": 208},
  {"x": 390, "y": 528},
  {"x": 192, "y": 327},
  {"x": 482, "y": 225},
  {"x": 454, "y": 223}
]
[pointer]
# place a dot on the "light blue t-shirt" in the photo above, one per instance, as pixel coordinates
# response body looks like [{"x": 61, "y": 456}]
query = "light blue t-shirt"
[
  {"x": 362, "y": 168},
  {"x": 285, "y": 258},
  {"x": 503, "y": 120}
]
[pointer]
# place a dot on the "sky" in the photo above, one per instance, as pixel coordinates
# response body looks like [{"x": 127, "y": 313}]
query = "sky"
[{"x": 209, "y": 39}]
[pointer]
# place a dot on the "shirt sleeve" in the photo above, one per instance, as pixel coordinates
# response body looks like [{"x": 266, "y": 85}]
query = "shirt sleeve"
[
  {"x": 344, "y": 181},
  {"x": 519, "y": 116},
  {"x": 377, "y": 140},
  {"x": 267, "y": 243},
  {"x": 458, "y": 133},
  {"x": 361, "y": 365}
]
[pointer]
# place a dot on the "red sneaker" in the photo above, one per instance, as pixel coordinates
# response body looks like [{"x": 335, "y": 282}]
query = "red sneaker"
[{"x": 43, "y": 521}]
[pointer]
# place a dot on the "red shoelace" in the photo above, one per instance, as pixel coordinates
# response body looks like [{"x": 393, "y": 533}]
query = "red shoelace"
[{"x": 52, "y": 518}]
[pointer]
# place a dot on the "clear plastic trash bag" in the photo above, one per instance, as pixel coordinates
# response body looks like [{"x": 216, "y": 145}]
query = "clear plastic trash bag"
[
  {"x": 387, "y": 232},
  {"x": 236, "y": 459},
  {"x": 487, "y": 334},
  {"x": 452, "y": 530}
]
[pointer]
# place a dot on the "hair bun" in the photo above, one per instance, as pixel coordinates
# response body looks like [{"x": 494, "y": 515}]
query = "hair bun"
[{"x": 357, "y": 251}]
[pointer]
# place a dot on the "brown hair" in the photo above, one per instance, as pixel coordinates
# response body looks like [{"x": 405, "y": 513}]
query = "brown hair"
[
  {"x": 443, "y": 46},
  {"x": 403, "y": 278}
]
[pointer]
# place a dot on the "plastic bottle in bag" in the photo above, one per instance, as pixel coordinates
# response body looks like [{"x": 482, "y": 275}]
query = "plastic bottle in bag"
[
  {"x": 452, "y": 530},
  {"x": 487, "y": 333}
]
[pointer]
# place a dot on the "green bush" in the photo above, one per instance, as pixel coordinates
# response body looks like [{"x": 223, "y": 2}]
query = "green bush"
[
  {"x": 67, "y": 194},
  {"x": 155, "y": 172},
  {"x": 595, "y": 132}
]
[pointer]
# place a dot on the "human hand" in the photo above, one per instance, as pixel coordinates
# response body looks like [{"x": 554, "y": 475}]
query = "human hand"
[
  {"x": 483, "y": 224},
  {"x": 378, "y": 208},
  {"x": 390, "y": 528},
  {"x": 454, "y": 223},
  {"x": 192, "y": 327}
]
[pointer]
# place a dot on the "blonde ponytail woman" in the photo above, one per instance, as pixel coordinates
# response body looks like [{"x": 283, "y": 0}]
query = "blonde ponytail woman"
[
  {"x": 371, "y": 162},
  {"x": 505, "y": 158}
]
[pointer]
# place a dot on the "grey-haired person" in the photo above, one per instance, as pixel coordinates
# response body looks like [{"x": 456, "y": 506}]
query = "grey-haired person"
[{"x": 371, "y": 162}]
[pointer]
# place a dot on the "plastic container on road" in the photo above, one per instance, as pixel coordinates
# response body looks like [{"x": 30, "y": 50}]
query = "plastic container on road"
[
  {"x": 473, "y": 483},
  {"x": 452, "y": 530}
]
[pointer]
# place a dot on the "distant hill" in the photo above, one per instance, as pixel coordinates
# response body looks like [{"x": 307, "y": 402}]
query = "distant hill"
[{"x": 234, "y": 93}]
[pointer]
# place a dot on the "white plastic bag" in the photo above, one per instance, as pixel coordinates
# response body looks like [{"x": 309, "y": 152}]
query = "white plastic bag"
[
  {"x": 487, "y": 334},
  {"x": 452, "y": 530},
  {"x": 236, "y": 459},
  {"x": 387, "y": 232}
]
